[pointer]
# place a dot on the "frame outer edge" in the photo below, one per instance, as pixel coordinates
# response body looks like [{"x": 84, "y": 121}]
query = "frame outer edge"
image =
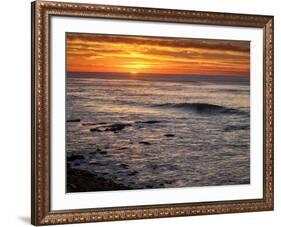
[
  {"x": 33, "y": 121},
  {"x": 272, "y": 187},
  {"x": 269, "y": 27},
  {"x": 41, "y": 213},
  {"x": 40, "y": 116}
]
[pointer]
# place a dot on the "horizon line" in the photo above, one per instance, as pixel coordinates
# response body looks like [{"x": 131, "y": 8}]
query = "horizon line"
[{"x": 168, "y": 74}]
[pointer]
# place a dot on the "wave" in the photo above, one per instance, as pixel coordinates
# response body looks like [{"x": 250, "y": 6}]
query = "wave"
[
  {"x": 202, "y": 108},
  {"x": 231, "y": 128}
]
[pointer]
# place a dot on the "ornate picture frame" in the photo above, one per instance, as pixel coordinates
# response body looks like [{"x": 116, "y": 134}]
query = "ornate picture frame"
[{"x": 42, "y": 13}]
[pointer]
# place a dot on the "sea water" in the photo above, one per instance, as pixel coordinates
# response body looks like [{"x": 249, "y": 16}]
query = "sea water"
[{"x": 160, "y": 131}]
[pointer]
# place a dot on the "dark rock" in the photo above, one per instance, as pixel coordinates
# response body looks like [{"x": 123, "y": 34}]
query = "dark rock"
[
  {"x": 153, "y": 166},
  {"x": 84, "y": 181},
  {"x": 140, "y": 126},
  {"x": 145, "y": 143},
  {"x": 169, "y": 181},
  {"x": 72, "y": 186},
  {"x": 117, "y": 127},
  {"x": 102, "y": 123},
  {"x": 124, "y": 166},
  {"x": 95, "y": 130},
  {"x": 73, "y": 120},
  {"x": 132, "y": 173},
  {"x": 169, "y": 135},
  {"x": 112, "y": 128},
  {"x": 123, "y": 148},
  {"x": 92, "y": 124},
  {"x": 103, "y": 152},
  {"x": 148, "y": 122},
  {"x": 75, "y": 157}
]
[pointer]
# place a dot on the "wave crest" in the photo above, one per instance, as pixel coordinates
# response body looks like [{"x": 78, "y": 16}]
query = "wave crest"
[{"x": 201, "y": 108}]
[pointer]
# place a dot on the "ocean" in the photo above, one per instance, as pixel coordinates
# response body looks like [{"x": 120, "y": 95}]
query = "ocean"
[{"x": 159, "y": 131}]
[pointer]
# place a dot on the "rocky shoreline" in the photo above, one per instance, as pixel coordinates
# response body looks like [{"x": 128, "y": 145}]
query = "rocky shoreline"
[
  {"x": 80, "y": 180},
  {"x": 84, "y": 181}
]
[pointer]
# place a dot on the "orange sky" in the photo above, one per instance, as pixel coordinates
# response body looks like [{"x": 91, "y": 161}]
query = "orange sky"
[{"x": 132, "y": 54}]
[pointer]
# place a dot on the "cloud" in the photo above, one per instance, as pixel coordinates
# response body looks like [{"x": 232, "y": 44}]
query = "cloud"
[
  {"x": 180, "y": 55},
  {"x": 168, "y": 42}
]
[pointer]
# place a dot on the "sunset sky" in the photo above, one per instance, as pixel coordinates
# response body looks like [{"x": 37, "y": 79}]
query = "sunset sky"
[{"x": 132, "y": 54}]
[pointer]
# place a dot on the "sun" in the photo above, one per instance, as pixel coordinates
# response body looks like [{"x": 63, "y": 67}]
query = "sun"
[{"x": 134, "y": 72}]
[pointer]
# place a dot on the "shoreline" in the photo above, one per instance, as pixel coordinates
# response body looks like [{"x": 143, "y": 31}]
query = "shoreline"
[{"x": 84, "y": 181}]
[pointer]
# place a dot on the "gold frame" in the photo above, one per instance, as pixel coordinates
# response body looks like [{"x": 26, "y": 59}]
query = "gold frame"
[{"x": 41, "y": 13}]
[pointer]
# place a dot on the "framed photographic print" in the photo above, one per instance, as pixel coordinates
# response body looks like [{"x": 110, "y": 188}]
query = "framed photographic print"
[{"x": 148, "y": 113}]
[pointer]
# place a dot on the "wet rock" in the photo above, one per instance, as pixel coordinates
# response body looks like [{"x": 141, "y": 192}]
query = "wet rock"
[
  {"x": 73, "y": 120},
  {"x": 111, "y": 128},
  {"x": 169, "y": 181},
  {"x": 125, "y": 166},
  {"x": 92, "y": 124},
  {"x": 102, "y": 123},
  {"x": 153, "y": 166},
  {"x": 75, "y": 157},
  {"x": 148, "y": 122},
  {"x": 140, "y": 126},
  {"x": 98, "y": 150},
  {"x": 73, "y": 187},
  {"x": 123, "y": 148},
  {"x": 132, "y": 173},
  {"x": 169, "y": 135},
  {"x": 117, "y": 127},
  {"x": 84, "y": 181},
  {"x": 95, "y": 129},
  {"x": 92, "y": 153},
  {"x": 144, "y": 143}
]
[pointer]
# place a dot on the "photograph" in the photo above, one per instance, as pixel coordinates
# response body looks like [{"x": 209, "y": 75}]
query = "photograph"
[{"x": 147, "y": 112}]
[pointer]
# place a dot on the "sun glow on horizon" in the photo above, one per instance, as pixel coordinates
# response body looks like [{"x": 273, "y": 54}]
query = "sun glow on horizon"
[{"x": 135, "y": 55}]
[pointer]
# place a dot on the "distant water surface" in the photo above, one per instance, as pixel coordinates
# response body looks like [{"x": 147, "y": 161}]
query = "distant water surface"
[{"x": 146, "y": 131}]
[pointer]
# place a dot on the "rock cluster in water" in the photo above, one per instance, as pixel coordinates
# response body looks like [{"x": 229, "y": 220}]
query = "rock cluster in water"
[{"x": 77, "y": 177}]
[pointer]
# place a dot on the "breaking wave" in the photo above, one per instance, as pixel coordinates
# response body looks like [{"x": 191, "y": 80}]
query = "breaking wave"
[{"x": 202, "y": 108}]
